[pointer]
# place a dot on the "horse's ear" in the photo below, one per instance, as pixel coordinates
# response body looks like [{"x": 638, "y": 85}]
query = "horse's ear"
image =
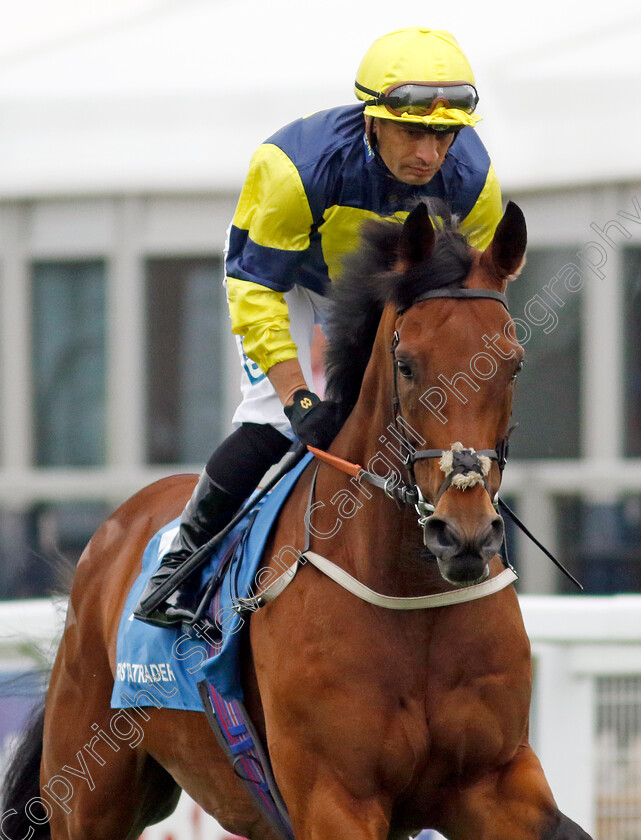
[
  {"x": 417, "y": 238},
  {"x": 505, "y": 255}
]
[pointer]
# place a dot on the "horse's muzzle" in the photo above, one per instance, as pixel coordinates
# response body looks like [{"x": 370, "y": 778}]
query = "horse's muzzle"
[{"x": 463, "y": 559}]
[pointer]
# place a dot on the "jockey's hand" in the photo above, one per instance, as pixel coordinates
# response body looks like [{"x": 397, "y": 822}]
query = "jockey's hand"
[{"x": 314, "y": 421}]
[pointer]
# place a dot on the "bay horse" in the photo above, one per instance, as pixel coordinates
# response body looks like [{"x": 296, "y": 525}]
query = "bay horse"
[{"x": 379, "y": 722}]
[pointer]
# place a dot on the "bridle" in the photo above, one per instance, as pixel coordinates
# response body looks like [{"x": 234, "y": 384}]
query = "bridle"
[
  {"x": 469, "y": 464},
  {"x": 462, "y": 464}
]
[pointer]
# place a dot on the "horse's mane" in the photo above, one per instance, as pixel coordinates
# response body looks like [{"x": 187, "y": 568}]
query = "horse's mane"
[{"x": 368, "y": 282}]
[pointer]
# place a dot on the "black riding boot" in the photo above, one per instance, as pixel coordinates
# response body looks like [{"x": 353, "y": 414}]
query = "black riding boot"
[
  {"x": 206, "y": 513},
  {"x": 231, "y": 475}
]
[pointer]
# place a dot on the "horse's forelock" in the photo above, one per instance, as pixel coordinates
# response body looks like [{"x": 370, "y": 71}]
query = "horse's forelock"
[
  {"x": 371, "y": 279},
  {"x": 448, "y": 266}
]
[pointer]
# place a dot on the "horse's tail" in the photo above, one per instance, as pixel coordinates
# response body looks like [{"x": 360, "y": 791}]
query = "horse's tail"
[{"x": 22, "y": 785}]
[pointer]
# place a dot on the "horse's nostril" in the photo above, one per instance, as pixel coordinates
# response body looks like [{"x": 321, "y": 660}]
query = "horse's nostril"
[
  {"x": 439, "y": 537},
  {"x": 495, "y": 537},
  {"x": 444, "y": 540}
]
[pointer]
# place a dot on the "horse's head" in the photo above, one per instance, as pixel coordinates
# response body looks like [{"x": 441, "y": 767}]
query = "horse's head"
[{"x": 456, "y": 361}]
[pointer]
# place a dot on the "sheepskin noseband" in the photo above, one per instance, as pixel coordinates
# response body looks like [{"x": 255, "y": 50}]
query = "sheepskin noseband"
[{"x": 464, "y": 467}]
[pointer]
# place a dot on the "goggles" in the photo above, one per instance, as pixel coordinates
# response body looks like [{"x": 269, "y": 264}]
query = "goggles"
[{"x": 419, "y": 99}]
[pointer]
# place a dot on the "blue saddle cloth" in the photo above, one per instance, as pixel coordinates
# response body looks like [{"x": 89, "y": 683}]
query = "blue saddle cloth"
[{"x": 163, "y": 666}]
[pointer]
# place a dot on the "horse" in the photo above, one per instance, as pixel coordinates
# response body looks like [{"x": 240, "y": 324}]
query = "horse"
[{"x": 378, "y": 722}]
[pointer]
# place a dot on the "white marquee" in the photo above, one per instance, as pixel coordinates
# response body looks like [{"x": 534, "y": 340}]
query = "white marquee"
[{"x": 132, "y": 95}]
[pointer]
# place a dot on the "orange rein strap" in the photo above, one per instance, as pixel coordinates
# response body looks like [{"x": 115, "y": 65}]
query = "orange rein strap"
[
  {"x": 335, "y": 461},
  {"x": 403, "y": 493}
]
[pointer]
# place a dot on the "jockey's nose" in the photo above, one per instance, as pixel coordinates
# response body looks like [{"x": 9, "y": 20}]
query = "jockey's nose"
[{"x": 427, "y": 148}]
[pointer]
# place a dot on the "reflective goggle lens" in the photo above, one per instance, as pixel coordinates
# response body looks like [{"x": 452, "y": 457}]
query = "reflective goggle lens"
[{"x": 420, "y": 100}]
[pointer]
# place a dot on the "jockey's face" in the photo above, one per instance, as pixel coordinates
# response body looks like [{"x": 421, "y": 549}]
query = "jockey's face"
[{"x": 411, "y": 154}]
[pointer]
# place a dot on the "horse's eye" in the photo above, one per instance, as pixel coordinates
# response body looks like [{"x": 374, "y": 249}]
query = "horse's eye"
[
  {"x": 517, "y": 369},
  {"x": 404, "y": 369}
]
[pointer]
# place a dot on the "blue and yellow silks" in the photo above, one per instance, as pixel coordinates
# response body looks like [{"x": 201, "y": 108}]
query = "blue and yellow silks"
[{"x": 309, "y": 188}]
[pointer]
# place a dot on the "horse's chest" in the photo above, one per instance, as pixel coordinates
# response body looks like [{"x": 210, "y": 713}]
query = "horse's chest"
[
  {"x": 455, "y": 740},
  {"x": 468, "y": 720}
]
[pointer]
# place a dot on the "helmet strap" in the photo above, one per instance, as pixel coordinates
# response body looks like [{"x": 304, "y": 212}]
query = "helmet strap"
[
  {"x": 370, "y": 133},
  {"x": 368, "y": 91}
]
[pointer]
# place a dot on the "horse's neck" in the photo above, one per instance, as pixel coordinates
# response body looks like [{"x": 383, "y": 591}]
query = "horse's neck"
[
  {"x": 379, "y": 529},
  {"x": 359, "y": 440}
]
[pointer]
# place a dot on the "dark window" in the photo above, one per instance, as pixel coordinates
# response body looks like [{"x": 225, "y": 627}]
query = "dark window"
[
  {"x": 632, "y": 349},
  {"x": 41, "y": 546},
  {"x": 547, "y": 399},
  {"x": 601, "y": 544},
  {"x": 69, "y": 363},
  {"x": 187, "y": 320}
]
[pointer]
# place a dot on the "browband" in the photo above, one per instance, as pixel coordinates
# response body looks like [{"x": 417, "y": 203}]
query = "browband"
[{"x": 458, "y": 293}]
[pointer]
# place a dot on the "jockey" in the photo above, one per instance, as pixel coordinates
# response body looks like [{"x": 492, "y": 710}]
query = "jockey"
[{"x": 309, "y": 187}]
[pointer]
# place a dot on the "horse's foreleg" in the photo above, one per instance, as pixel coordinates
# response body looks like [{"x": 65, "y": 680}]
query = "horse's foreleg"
[
  {"x": 514, "y": 803},
  {"x": 326, "y": 810}
]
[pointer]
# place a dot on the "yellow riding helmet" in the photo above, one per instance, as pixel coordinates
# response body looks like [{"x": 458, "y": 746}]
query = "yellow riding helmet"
[{"x": 415, "y": 60}]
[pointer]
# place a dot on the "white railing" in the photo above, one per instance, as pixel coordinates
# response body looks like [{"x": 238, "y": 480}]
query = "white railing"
[{"x": 586, "y": 706}]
